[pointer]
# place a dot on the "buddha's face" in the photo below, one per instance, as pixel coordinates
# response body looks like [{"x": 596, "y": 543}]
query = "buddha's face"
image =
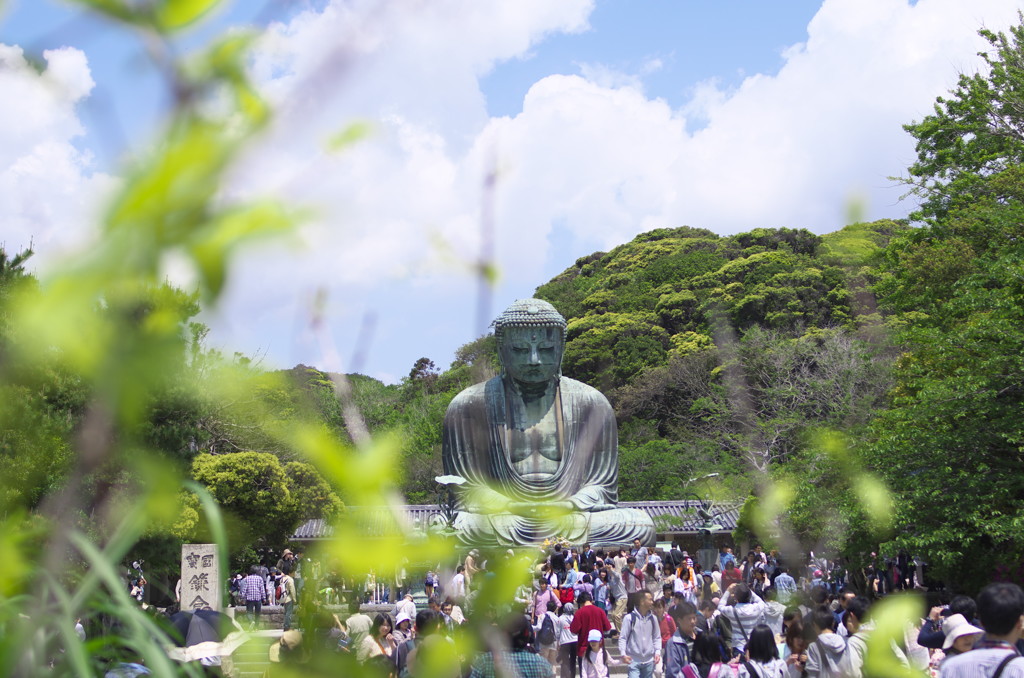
[{"x": 532, "y": 355}]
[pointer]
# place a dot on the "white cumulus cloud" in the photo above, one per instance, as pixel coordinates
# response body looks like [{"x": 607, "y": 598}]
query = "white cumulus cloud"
[
  {"x": 48, "y": 189},
  {"x": 591, "y": 160}
]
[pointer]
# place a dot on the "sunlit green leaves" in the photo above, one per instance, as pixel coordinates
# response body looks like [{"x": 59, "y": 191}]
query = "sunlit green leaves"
[
  {"x": 212, "y": 245},
  {"x": 104, "y": 324},
  {"x": 172, "y": 15},
  {"x": 224, "y": 65},
  {"x": 160, "y": 15},
  {"x": 115, "y": 9},
  {"x": 876, "y": 501},
  {"x": 349, "y": 135},
  {"x": 891, "y": 620}
]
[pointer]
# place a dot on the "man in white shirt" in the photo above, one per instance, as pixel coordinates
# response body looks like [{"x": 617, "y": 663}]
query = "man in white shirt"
[
  {"x": 458, "y": 584},
  {"x": 407, "y": 606},
  {"x": 744, "y": 609}
]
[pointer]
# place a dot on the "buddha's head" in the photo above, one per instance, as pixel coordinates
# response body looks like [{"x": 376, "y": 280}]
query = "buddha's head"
[{"x": 531, "y": 340}]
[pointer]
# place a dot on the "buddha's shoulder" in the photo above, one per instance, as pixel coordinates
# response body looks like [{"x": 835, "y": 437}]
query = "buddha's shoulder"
[
  {"x": 583, "y": 392},
  {"x": 473, "y": 396}
]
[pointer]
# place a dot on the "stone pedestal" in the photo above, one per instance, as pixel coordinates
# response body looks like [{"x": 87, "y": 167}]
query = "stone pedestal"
[
  {"x": 707, "y": 558},
  {"x": 201, "y": 586}
]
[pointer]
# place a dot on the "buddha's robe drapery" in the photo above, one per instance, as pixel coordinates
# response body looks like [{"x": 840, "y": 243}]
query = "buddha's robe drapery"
[{"x": 477, "y": 436}]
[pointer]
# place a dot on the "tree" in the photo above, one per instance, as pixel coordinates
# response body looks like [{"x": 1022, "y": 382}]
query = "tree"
[
  {"x": 653, "y": 470},
  {"x": 952, "y": 443},
  {"x": 12, "y": 272},
  {"x": 755, "y": 397},
  {"x": 974, "y": 134},
  {"x": 264, "y": 499},
  {"x": 609, "y": 349}
]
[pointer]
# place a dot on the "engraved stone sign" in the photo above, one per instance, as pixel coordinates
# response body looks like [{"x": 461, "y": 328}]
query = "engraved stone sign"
[{"x": 200, "y": 577}]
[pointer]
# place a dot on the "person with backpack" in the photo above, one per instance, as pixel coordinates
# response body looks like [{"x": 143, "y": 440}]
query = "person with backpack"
[
  {"x": 640, "y": 638},
  {"x": 547, "y": 634},
  {"x": 679, "y": 649},
  {"x": 632, "y": 577},
  {"x": 666, "y": 624},
  {"x": 825, "y": 652},
  {"x": 288, "y": 595}
]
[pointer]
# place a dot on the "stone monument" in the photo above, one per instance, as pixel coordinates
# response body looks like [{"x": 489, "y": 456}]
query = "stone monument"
[
  {"x": 201, "y": 586},
  {"x": 538, "y": 451}
]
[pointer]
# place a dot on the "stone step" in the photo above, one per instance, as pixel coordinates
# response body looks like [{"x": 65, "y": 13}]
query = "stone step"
[
  {"x": 614, "y": 670},
  {"x": 252, "y": 659}
]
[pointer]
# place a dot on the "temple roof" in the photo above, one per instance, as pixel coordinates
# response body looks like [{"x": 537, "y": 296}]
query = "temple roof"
[{"x": 670, "y": 517}]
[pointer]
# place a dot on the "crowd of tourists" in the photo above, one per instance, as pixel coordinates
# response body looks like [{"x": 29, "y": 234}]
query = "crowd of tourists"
[
  {"x": 664, "y": 613},
  {"x": 275, "y": 585}
]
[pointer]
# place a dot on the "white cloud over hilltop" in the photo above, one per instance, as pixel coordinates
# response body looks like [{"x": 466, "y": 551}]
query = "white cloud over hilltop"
[
  {"x": 590, "y": 155},
  {"x": 48, "y": 190}
]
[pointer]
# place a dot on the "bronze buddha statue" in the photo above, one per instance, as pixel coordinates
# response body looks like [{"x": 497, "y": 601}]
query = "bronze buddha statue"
[{"x": 538, "y": 451}]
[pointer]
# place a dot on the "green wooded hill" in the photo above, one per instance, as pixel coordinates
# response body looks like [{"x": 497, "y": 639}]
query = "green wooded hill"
[
  {"x": 669, "y": 292},
  {"x": 721, "y": 352}
]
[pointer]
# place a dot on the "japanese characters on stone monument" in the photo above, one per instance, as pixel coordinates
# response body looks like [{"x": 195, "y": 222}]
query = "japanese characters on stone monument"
[
  {"x": 530, "y": 441},
  {"x": 200, "y": 577}
]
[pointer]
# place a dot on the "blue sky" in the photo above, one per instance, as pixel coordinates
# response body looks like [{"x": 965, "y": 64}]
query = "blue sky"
[
  {"x": 603, "y": 119},
  {"x": 692, "y": 41}
]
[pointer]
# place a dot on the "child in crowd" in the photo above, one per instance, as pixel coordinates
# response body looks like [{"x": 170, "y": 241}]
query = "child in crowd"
[{"x": 597, "y": 660}]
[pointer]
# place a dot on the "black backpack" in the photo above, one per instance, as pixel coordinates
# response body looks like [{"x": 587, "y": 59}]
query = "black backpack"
[{"x": 547, "y": 631}]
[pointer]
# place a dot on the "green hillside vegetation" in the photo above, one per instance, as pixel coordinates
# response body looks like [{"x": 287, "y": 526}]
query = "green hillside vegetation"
[{"x": 720, "y": 353}]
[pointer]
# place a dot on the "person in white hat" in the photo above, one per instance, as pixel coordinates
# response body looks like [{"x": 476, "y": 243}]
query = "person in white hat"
[
  {"x": 403, "y": 628},
  {"x": 596, "y": 660},
  {"x": 961, "y": 635}
]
